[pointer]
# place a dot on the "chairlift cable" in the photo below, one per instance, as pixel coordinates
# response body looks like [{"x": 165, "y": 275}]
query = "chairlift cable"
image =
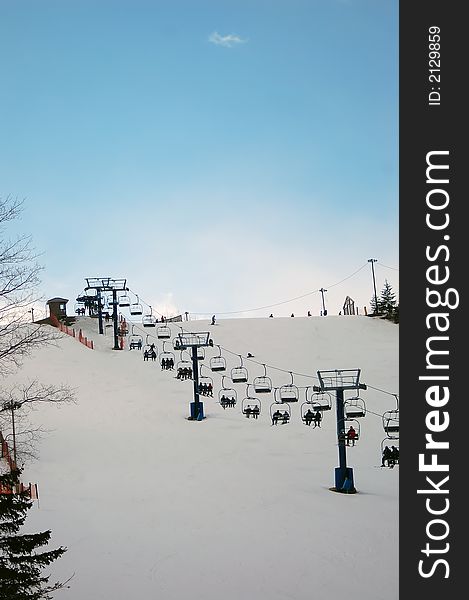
[{"x": 235, "y": 312}]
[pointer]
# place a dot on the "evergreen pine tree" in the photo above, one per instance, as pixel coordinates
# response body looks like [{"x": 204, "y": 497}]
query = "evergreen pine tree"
[
  {"x": 387, "y": 301},
  {"x": 21, "y": 563}
]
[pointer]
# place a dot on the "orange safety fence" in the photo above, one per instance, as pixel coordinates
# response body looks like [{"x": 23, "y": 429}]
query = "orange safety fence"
[
  {"x": 69, "y": 331},
  {"x": 6, "y": 453},
  {"x": 31, "y": 488}
]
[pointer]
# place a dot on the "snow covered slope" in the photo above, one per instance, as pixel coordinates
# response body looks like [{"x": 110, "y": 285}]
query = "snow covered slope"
[{"x": 152, "y": 505}]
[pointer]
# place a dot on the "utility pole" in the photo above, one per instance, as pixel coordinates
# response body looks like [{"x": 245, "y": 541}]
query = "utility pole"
[
  {"x": 13, "y": 428},
  {"x": 31, "y": 310},
  {"x": 373, "y": 260},
  {"x": 324, "y": 311}
]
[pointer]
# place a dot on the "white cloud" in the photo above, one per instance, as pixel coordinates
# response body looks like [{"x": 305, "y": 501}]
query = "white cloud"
[{"x": 225, "y": 40}]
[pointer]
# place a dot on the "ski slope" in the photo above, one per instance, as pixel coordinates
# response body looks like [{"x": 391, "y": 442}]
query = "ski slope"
[{"x": 152, "y": 505}]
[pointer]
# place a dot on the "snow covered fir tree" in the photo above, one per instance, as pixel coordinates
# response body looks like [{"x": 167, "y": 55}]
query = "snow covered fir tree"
[
  {"x": 21, "y": 562},
  {"x": 386, "y": 304}
]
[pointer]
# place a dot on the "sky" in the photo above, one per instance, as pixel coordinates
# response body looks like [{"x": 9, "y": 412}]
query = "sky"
[
  {"x": 152, "y": 505},
  {"x": 219, "y": 155}
]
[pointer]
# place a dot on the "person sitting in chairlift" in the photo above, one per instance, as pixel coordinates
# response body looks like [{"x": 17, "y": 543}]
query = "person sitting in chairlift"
[
  {"x": 276, "y": 416},
  {"x": 351, "y": 436},
  {"x": 317, "y": 418},
  {"x": 394, "y": 455},
  {"x": 309, "y": 416},
  {"x": 286, "y": 417},
  {"x": 386, "y": 458},
  {"x": 145, "y": 355},
  {"x": 255, "y": 412}
]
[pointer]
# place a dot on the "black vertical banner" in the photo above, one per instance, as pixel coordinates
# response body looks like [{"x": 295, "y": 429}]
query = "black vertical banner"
[{"x": 433, "y": 357}]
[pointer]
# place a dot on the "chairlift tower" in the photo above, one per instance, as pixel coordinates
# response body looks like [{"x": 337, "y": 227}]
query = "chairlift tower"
[
  {"x": 339, "y": 381},
  {"x": 107, "y": 284},
  {"x": 195, "y": 341}
]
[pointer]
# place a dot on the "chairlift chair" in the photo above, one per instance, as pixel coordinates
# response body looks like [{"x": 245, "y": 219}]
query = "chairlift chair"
[
  {"x": 166, "y": 355},
  {"x": 250, "y": 406},
  {"x": 354, "y": 408},
  {"x": 124, "y": 300},
  {"x": 163, "y": 332},
  {"x": 149, "y": 320},
  {"x": 347, "y": 423},
  {"x": 136, "y": 308},
  {"x": 309, "y": 414},
  {"x": 135, "y": 340},
  {"x": 184, "y": 370},
  {"x": 288, "y": 392},
  {"x": 280, "y": 413},
  {"x": 79, "y": 306},
  {"x": 204, "y": 382},
  {"x": 391, "y": 424},
  {"x": 218, "y": 363},
  {"x": 388, "y": 441},
  {"x": 263, "y": 383},
  {"x": 239, "y": 374},
  {"x": 200, "y": 353},
  {"x": 319, "y": 400},
  {"x": 227, "y": 397},
  {"x": 184, "y": 364}
]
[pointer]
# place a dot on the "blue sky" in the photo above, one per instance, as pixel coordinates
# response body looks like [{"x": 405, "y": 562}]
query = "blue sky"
[{"x": 220, "y": 155}]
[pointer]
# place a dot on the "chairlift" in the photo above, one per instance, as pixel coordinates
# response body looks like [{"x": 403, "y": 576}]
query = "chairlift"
[
  {"x": 250, "y": 406},
  {"x": 163, "y": 332},
  {"x": 263, "y": 383},
  {"x": 218, "y": 363},
  {"x": 149, "y": 320},
  {"x": 79, "y": 306},
  {"x": 135, "y": 340},
  {"x": 354, "y": 408},
  {"x": 205, "y": 384},
  {"x": 184, "y": 368},
  {"x": 166, "y": 355},
  {"x": 124, "y": 300},
  {"x": 239, "y": 374},
  {"x": 149, "y": 346},
  {"x": 176, "y": 343},
  {"x": 227, "y": 396},
  {"x": 343, "y": 435},
  {"x": 391, "y": 424},
  {"x": 319, "y": 400},
  {"x": 280, "y": 415},
  {"x": 288, "y": 392},
  {"x": 200, "y": 353},
  {"x": 388, "y": 441},
  {"x": 311, "y": 414},
  {"x": 136, "y": 308}
]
